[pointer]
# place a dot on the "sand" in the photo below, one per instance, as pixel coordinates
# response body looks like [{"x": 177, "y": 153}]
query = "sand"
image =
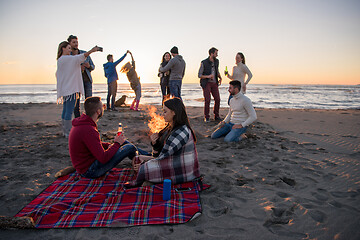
[{"x": 297, "y": 176}]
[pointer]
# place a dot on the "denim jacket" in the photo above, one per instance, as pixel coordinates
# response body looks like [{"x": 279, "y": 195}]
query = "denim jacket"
[{"x": 92, "y": 66}]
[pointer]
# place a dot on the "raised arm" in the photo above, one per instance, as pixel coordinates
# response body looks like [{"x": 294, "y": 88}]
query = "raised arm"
[{"x": 94, "y": 49}]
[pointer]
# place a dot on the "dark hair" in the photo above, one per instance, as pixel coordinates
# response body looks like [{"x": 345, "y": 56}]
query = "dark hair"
[
  {"x": 236, "y": 84},
  {"x": 212, "y": 50},
  {"x": 109, "y": 56},
  {"x": 71, "y": 37},
  {"x": 180, "y": 118},
  {"x": 174, "y": 50},
  {"x": 242, "y": 56},
  {"x": 62, "y": 45},
  {"x": 91, "y": 105},
  {"x": 163, "y": 58}
]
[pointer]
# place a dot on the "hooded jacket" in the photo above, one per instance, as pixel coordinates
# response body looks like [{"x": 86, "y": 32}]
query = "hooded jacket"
[
  {"x": 177, "y": 67},
  {"x": 85, "y": 145},
  {"x": 110, "y": 69}
]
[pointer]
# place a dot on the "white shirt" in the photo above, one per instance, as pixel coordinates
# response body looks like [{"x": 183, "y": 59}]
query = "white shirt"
[
  {"x": 68, "y": 75},
  {"x": 239, "y": 72},
  {"x": 241, "y": 111}
]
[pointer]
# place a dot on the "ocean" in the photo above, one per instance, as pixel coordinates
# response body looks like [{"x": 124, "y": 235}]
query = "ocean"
[{"x": 262, "y": 95}]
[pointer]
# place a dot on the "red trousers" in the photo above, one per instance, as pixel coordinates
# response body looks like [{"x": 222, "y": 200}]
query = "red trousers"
[{"x": 213, "y": 89}]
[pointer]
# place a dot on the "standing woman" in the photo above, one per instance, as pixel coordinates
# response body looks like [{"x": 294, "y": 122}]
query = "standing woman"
[
  {"x": 134, "y": 80},
  {"x": 239, "y": 72},
  {"x": 164, "y": 77},
  {"x": 69, "y": 81},
  {"x": 178, "y": 156}
]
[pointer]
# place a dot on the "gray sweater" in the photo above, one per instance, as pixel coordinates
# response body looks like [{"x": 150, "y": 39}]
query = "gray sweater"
[{"x": 177, "y": 67}]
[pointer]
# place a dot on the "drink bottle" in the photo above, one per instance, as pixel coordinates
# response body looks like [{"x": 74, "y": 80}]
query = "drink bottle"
[
  {"x": 226, "y": 71},
  {"x": 167, "y": 189},
  {"x": 119, "y": 130}
]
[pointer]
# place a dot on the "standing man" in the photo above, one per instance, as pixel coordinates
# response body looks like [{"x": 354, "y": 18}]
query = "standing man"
[
  {"x": 112, "y": 77},
  {"x": 176, "y": 66},
  {"x": 210, "y": 80},
  {"x": 241, "y": 114},
  {"x": 86, "y": 68}
]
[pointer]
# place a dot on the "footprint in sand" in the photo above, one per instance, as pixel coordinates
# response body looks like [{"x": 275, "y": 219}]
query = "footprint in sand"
[
  {"x": 288, "y": 181},
  {"x": 283, "y": 194},
  {"x": 318, "y": 216},
  {"x": 351, "y": 194},
  {"x": 320, "y": 197},
  {"x": 218, "y": 207}
]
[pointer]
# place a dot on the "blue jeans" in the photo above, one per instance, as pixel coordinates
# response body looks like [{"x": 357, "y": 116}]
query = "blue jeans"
[
  {"x": 88, "y": 93},
  {"x": 88, "y": 89},
  {"x": 68, "y": 108},
  {"x": 175, "y": 88},
  {"x": 231, "y": 135},
  {"x": 97, "y": 169}
]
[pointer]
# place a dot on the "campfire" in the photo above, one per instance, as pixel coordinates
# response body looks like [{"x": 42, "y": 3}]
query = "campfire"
[{"x": 157, "y": 122}]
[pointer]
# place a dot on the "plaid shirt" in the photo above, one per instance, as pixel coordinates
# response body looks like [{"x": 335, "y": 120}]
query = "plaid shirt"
[{"x": 177, "y": 161}]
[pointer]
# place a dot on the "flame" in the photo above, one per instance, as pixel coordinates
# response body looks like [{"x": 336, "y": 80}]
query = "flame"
[{"x": 157, "y": 122}]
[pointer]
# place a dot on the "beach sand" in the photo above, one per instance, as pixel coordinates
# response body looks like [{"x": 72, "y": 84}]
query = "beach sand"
[{"x": 297, "y": 176}]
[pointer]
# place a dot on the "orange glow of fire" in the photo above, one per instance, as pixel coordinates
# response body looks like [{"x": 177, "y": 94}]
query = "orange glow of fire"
[{"x": 157, "y": 122}]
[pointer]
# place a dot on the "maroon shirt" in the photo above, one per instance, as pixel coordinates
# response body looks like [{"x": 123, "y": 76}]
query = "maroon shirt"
[{"x": 85, "y": 145}]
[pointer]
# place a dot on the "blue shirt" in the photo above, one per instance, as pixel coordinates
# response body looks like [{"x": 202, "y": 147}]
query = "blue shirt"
[{"x": 110, "y": 70}]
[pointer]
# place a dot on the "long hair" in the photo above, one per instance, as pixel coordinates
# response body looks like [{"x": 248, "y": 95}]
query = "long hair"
[
  {"x": 180, "y": 118},
  {"x": 62, "y": 45},
  {"x": 242, "y": 56},
  {"x": 127, "y": 66},
  {"x": 163, "y": 57}
]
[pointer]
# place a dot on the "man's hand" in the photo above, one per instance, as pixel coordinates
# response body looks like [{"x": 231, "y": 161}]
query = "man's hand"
[
  {"x": 120, "y": 139},
  {"x": 237, "y": 126},
  {"x": 244, "y": 87},
  {"x": 220, "y": 81},
  {"x": 82, "y": 67},
  {"x": 86, "y": 64},
  {"x": 154, "y": 137}
]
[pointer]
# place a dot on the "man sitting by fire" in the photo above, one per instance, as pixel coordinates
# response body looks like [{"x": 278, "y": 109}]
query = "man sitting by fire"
[{"x": 173, "y": 148}]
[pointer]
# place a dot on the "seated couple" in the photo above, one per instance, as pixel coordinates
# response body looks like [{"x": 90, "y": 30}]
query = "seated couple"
[{"x": 176, "y": 157}]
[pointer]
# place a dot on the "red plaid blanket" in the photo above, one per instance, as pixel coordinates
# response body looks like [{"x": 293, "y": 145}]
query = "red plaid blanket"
[{"x": 74, "y": 201}]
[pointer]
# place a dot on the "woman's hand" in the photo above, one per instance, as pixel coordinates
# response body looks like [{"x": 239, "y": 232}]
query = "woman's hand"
[{"x": 154, "y": 137}]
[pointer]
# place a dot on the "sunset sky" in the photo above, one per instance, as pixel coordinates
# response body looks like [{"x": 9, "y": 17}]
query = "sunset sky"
[{"x": 284, "y": 41}]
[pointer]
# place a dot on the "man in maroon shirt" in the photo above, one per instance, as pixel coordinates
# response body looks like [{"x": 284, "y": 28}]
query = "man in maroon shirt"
[{"x": 90, "y": 156}]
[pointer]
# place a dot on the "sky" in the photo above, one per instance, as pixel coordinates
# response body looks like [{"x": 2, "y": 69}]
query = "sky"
[{"x": 284, "y": 41}]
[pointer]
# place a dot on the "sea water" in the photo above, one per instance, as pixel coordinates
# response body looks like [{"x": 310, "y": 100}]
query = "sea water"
[{"x": 262, "y": 95}]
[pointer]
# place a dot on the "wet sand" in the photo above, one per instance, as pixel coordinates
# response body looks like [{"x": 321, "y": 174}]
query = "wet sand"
[{"x": 297, "y": 176}]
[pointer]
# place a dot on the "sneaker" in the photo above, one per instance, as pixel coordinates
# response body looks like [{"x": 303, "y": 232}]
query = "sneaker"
[
  {"x": 206, "y": 119},
  {"x": 218, "y": 119}
]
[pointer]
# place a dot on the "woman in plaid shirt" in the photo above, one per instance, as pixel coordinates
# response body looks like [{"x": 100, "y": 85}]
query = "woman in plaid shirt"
[{"x": 178, "y": 158}]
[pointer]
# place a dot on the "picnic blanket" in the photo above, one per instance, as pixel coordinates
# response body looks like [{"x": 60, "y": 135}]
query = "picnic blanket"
[{"x": 73, "y": 201}]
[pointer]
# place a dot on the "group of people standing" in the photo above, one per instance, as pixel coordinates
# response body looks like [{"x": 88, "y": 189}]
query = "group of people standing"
[{"x": 174, "y": 154}]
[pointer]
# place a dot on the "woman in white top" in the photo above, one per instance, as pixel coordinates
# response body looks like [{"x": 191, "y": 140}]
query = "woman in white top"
[
  {"x": 69, "y": 81},
  {"x": 239, "y": 72}
]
